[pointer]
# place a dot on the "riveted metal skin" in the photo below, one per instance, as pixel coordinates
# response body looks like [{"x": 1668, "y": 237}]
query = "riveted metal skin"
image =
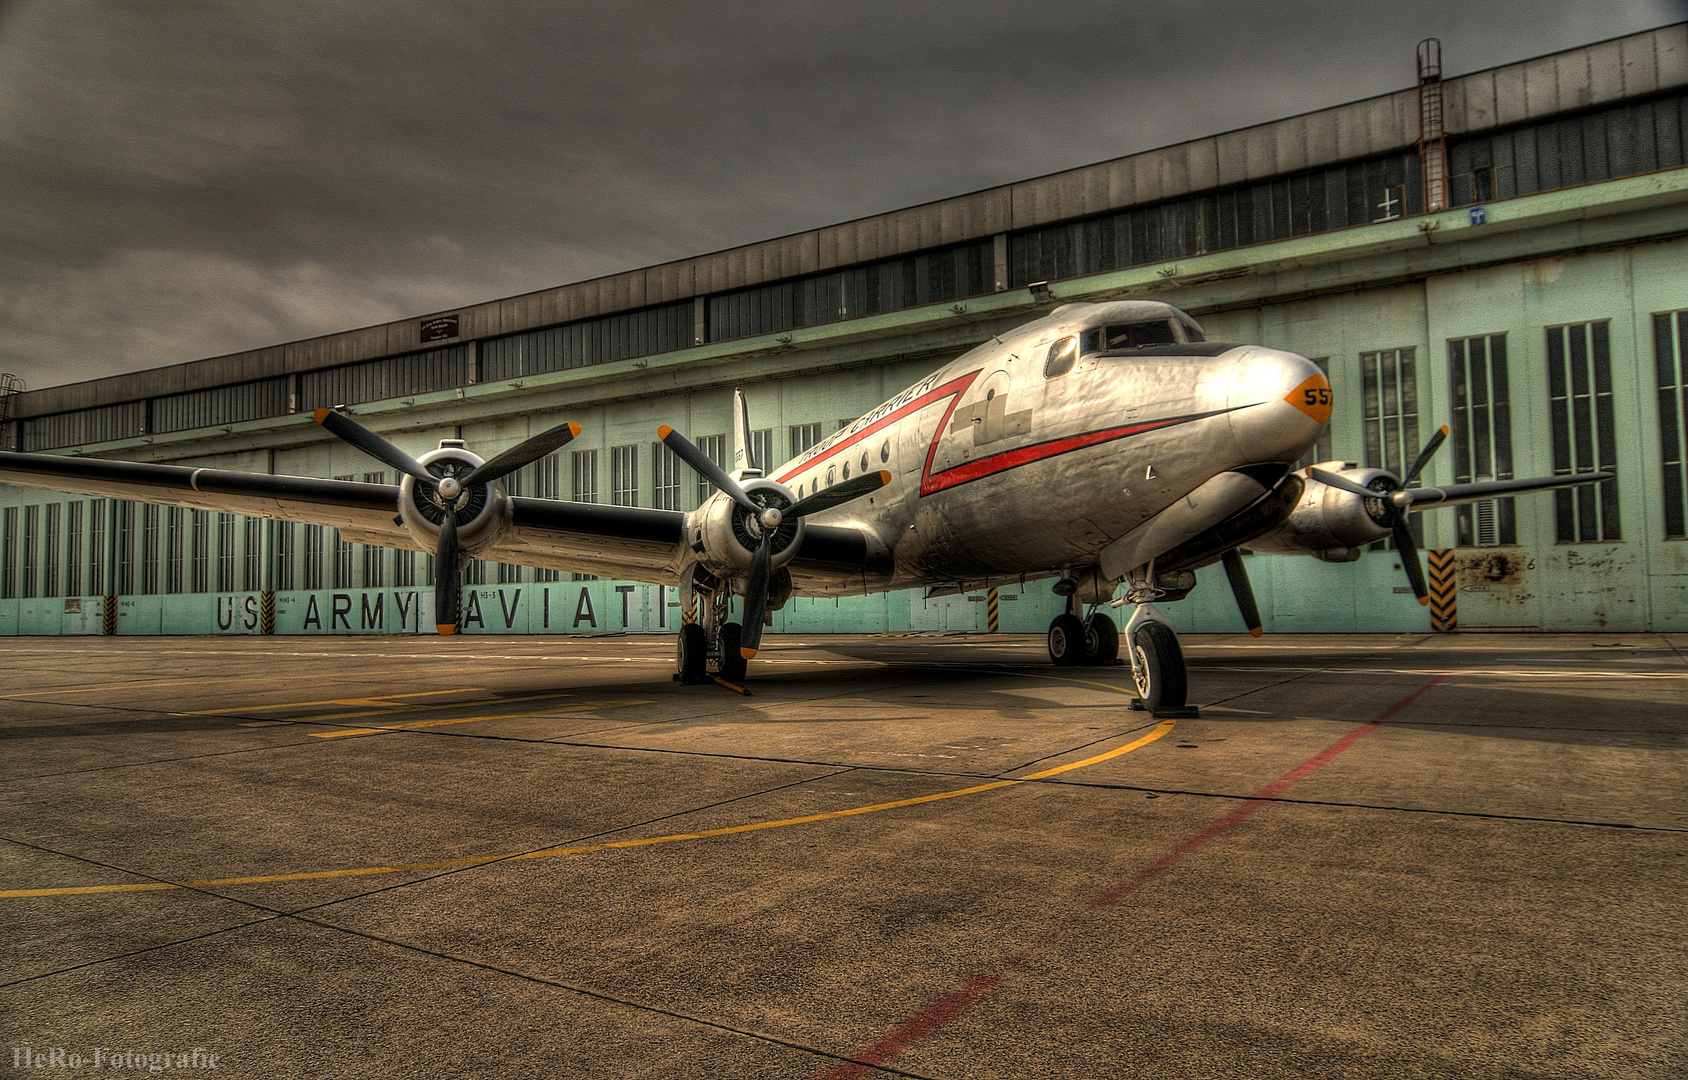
[{"x": 1096, "y": 449}]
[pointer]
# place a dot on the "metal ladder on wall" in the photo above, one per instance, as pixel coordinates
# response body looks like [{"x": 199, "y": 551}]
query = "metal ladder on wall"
[{"x": 1432, "y": 143}]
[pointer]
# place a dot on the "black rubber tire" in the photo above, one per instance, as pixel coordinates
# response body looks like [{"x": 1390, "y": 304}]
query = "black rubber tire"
[
  {"x": 692, "y": 654},
  {"x": 1163, "y": 663},
  {"x": 1101, "y": 639},
  {"x": 1066, "y": 641},
  {"x": 733, "y": 663}
]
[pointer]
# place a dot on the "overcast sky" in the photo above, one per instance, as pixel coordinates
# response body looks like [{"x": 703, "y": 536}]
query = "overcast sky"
[{"x": 181, "y": 180}]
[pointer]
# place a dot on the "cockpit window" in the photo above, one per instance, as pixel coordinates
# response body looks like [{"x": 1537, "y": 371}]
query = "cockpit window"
[
  {"x": 1192, "y": 332},
  {"x": 1062, "y": 355},
  {"x": 1137, "y": 335}
]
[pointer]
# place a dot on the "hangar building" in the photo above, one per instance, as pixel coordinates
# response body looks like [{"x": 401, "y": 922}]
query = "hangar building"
[{"x": 1505, "y": 252}]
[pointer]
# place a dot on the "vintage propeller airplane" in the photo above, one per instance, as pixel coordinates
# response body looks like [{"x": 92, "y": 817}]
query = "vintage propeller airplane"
[{"x": 1101, "y": 445}]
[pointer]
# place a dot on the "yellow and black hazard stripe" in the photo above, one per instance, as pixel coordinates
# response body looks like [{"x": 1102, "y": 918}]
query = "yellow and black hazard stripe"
[
  {"x": 992, "y": 618},
  {"x": 108, "y": 616},
  {"x": 266, "y": 612},
  {"x": 1444, "y": 591}
]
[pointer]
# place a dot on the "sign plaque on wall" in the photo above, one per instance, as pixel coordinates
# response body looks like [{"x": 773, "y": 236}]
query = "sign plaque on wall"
[{"x": 442, "y": 328}]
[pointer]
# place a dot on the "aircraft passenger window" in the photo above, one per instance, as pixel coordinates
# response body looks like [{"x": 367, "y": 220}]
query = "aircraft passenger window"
[
  {"x": 1137, "y": 335},
  {"x": 885, "y": 451},
  {"x": 1062, "y": 356}
]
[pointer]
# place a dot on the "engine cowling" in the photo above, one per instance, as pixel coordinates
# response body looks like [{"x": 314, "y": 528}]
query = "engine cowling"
[
  {"x": 724, "y": 536},
  {"x": 483, "y": 511},
  {"x": 1329, "y": 523}
]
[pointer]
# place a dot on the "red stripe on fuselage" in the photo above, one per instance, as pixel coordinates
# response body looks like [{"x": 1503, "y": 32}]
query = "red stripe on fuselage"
[{"x": 967, "y": 472}]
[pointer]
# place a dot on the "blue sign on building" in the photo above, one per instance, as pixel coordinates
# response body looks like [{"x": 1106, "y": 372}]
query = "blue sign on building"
[{"x": 1479, "y": 215}]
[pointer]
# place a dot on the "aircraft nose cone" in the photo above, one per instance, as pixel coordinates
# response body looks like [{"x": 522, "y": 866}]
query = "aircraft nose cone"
[{"x": 1282, "y": 405}]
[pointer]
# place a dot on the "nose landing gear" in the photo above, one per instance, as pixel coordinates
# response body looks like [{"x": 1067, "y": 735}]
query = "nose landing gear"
[{"x": 1157, "y": 663}]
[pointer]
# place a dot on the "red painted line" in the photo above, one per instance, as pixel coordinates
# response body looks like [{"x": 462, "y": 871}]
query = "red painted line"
[
  {"x": 1025, "y": 455},
  {"x": 955, "y": 1003}
]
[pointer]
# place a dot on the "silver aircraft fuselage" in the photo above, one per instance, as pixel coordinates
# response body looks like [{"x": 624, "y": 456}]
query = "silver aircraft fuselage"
[{"x": 1033, "y": 452}]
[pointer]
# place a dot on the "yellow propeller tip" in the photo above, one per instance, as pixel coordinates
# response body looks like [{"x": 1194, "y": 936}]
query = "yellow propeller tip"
[
  {"x": 664, "y": 431},
  {"x": 1255, "y": 631},
  {"x": 1444, "y": 429},
  {"x": 321, "y": 414},
  {"x": 1424, "y": 601},
  {"x": 884, "y": 476},
  {"x": 748, "y": 654},
  {"x": 574, "y": 430},
  {"x": 446, "y": 629}
]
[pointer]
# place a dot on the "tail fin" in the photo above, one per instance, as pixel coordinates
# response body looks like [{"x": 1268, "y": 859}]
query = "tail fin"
[{"x": 745, "y": 464}]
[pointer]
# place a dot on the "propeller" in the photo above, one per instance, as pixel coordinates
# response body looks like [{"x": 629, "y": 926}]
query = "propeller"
[
  {"x": 768, "y": 520},
  {"x": 448, "y": 492},
  {"x": 1238, "y": 573},
  {"x": 1396, "y": 502}
]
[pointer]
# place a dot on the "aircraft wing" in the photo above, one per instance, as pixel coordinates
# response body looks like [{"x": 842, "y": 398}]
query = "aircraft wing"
[{"x": 625, "y": 542}]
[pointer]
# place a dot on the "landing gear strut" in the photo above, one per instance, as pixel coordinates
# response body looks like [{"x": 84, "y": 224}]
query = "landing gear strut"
[
  {"x": 1157, "y": 663},
  {"x": 706, "y": 638}
]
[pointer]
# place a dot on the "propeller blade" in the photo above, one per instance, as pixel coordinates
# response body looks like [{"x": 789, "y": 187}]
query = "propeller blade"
[
  {"x": 447, "y": 590},
  {"x": 523, "y": 453},
  {"x": 756, "y": 598},
  {"x": 839, "y": 494},
  {"x": 1407, "y": 548},
  {"x": 1342, "y": 483},
  {"x": 1238, "y": 573},
  {"x": 375, "y": 446},
  {"x": 697, "y": 459},
  {"x": 1424, "y": 455}
]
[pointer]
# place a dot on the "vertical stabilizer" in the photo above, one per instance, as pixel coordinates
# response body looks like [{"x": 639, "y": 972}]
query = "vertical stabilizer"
[{"x": 745, "y": 464}]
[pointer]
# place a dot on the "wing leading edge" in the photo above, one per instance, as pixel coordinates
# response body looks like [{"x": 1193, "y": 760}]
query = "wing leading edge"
[{"x": 626, "y": 542}]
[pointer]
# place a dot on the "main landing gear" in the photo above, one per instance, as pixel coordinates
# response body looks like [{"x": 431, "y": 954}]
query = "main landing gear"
[
  {"x": 1157, "y": 663},
  {"x": 706, "y": 639}
]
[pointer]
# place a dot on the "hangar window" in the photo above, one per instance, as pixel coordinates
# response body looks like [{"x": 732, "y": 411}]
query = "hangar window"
[
  {"x": 1062, "y": 355},
  {"x": 624, "y": 475},
  {"x": 286, "y": 556},
  {"x": 202, "y": 551},
  {"x": 1670, "y": 359},
  {"x": 584, "y": 468},
  {"x": 149, "y": 549},
  {"x": 97, "y": 546},
  {"x": 73, "y": 548},
  {"x": 1482, "y": 436},
  {"x": 50, "y": 539},
  {"x": 31, "y": 547},
  {"x": 665, "y": 477},
  {"x": 9, "y": 541},
  {"x": 1389, "y": 386},
  {"x": 803, "y": 437},
  {"x": 313, "y": 556},
  {"x": 175, "y": 544},
  {"x": 1579, "y": 379},
  {"x": 714, "y": 447}
]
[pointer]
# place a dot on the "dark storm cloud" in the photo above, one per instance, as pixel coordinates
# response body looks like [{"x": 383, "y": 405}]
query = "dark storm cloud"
[{"x": 184, "y": 179}]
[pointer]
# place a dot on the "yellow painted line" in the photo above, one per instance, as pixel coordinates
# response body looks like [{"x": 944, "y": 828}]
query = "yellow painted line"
[
  {"x": 1160, "y": 730},
  {"x": 583, "y": 706},
  {"x": 332, "y": 701}
]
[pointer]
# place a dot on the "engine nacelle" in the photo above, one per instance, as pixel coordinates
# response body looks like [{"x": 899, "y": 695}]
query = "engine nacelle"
[
  {"x": 1329, "y": 523},
  {"x": 483, "y": 511},
  {"x": 724, "y": 536}
]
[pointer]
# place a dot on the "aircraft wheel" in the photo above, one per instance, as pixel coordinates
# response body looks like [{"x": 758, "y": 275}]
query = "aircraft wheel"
[
  {"x": 1101, "y": 639},
  {"x": 692, "y": 655},
  {"x": 1159, "y": 673},
  {"x": 1066, "y": 641},
  {"x": 733, "y": 663}
]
